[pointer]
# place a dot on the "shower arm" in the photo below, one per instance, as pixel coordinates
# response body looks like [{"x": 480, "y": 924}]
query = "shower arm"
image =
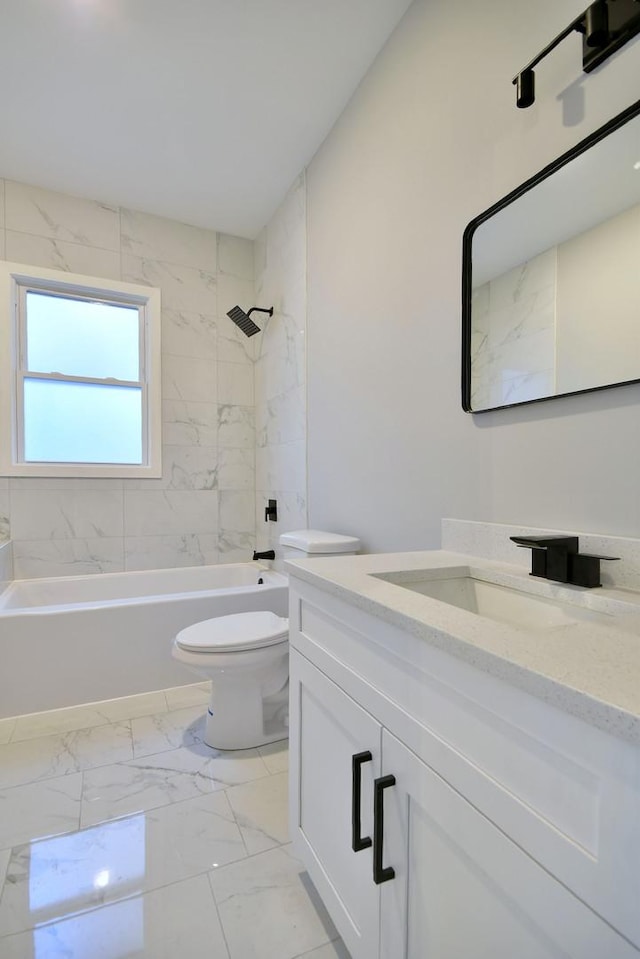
[{"x": 259, "y": 309}]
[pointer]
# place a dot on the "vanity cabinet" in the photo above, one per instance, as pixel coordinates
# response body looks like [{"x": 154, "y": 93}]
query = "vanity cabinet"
[
  {"x": 330, "y": 730},
  {"x": 461, "y": 873}
]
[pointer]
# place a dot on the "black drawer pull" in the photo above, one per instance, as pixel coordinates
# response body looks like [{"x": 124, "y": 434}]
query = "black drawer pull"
[
  {"x": 380, "y": 873},
  {"x": 358, "y": 842}
]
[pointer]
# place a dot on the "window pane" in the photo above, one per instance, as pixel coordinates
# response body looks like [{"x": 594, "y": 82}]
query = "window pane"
[
  {"x": 81, "y": 423},
  {"x": 81, "y": 338}
]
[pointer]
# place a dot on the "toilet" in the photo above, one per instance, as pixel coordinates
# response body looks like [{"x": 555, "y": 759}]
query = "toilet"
[{"x": 246, "y": 657}]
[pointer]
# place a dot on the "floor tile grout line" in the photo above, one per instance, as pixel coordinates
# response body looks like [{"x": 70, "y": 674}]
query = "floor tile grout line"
[
  {"x": 78, "y": 729},
  {"x": 80, "y": 801},
  {"x": 163, "y": 715},
  {"x": 220, "y": 753},
  {"x": 132, "y": 742},
  {"x": 239, "y": 827},
  {"x": 137, "y": 760},
  {"x": 177, "y": 802},
  {"x": 217, "y": 911},
  {"x": 107, "y": 722},
  {"x": 36, "y": 839},
  {"x": 101, "y": 702},
  {"x": 141, "y": 812},
  {"x": 113, "y": 902},
  {"x": 119, "y": 722},
  {"x": 132, "y": 815},
  {"x": 212, "y": 873},
  {"x": 71, "y": 772},
  {"x": 309, "y": 952},
  {"x": 252, "y": 855},
  {"x": 133, "y": 759},
  {"x": 226, "y": 788},
  {"x": 209, "y": 873}
]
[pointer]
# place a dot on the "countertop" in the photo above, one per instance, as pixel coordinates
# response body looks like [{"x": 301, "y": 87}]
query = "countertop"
[{"x": 588, "y": 669}]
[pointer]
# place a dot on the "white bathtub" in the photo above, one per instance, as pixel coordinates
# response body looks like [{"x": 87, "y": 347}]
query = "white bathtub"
[{"x": 81, "y": 639}]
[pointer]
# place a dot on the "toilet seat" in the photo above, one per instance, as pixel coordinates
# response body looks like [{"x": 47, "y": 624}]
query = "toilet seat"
[{"x": 239, "y": 631}]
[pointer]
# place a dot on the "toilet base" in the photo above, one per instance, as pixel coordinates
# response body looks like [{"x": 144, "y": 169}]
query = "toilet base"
[{"x": 259, "y": 722}]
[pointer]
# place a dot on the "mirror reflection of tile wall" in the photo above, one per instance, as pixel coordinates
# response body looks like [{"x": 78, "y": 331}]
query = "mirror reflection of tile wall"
[
  {"x": 513, "y": 334},
  {"x": 566, "y": 320}
]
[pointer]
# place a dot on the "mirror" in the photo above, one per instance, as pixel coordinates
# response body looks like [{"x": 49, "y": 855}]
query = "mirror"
[{"x": 551, "y": 278}]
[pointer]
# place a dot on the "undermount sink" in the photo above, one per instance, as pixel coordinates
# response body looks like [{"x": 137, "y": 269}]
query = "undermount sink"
[{"x": 503, "y": 604}]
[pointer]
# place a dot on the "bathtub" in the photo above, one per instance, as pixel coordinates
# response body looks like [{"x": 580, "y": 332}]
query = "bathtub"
[{"x": 81, "y": 639}]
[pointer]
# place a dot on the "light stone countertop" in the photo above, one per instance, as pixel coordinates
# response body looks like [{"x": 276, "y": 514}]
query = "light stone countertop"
[{"x": 589, "y": 669}]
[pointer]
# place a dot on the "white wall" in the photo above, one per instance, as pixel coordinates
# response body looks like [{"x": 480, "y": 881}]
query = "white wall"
[
  {"x": 431, "y": 138},
  {"x": 203, "y": 508}
]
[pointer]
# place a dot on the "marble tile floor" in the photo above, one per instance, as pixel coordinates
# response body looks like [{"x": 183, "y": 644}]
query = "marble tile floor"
[{"x": 123, "y": 835}]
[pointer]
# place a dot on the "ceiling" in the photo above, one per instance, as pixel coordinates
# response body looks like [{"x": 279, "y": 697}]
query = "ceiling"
[{"x": 204, "y": 111}]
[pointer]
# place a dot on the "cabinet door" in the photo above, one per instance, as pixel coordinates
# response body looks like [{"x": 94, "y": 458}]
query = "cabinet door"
[
  {"x": 463, "y": 889},
  {"x": 327, "y": 729}
]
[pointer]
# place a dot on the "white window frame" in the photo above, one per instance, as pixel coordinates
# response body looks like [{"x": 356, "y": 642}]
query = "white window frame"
[{"x": 16, "y": 280}]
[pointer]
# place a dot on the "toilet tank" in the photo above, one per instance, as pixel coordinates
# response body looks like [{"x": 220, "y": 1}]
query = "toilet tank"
[{"x": 301, "y": 543}]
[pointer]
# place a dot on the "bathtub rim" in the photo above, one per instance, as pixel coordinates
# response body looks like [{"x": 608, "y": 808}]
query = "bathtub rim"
[{"x": 274, "y": 580}]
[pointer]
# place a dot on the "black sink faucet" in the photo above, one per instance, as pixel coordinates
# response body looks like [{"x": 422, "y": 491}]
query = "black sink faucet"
[
  {"x": 558, "y": 558},
  {"x": 267, "y": 554}
]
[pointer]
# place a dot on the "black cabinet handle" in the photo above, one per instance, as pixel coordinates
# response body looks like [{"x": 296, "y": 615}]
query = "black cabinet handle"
[
  {"x": 380, "y": 873},
  {"x": 358, "y": 842}
]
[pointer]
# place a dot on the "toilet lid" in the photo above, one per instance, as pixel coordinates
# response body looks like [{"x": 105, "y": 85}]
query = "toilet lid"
[{"x": 238, "y": 631}]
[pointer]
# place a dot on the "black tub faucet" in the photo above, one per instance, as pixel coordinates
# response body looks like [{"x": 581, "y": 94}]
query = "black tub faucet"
[
  {"x": 558, "y": 558},
  {"x": 267, "y": 554}
]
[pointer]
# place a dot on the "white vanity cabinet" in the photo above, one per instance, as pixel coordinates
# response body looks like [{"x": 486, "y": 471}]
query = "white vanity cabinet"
[
  {"x": 476, "y": 809},
  {"x": 330, "y": 729}
]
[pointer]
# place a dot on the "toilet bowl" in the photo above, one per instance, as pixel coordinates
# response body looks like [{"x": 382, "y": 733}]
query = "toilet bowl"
[{"x": 246, "y": 657}]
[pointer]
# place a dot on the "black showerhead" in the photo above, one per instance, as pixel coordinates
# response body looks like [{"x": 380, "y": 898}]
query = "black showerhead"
[{"x": 242, "y": 319}]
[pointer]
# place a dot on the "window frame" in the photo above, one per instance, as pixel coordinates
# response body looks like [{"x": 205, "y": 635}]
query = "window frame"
[{"x": 16, "y": 281}]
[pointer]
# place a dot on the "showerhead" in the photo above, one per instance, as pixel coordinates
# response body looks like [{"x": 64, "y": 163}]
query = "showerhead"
[{"x": 243, "y": 320}]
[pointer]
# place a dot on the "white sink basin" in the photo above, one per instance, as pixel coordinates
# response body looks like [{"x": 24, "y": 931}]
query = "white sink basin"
[{"x": 502, "y": 604}]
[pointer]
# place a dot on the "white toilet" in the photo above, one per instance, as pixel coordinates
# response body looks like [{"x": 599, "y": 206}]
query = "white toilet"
[{"x": 246, "y": 657}]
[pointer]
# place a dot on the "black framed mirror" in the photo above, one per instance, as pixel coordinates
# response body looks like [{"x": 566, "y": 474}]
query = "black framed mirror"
[{"x": 551, "y": 278}]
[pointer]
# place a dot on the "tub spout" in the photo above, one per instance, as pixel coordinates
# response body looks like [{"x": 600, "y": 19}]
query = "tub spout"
[{"x": 267, "y": 554}]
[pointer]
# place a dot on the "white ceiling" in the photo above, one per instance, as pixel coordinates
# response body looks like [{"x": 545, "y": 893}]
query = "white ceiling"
[{"x": 203, "y": 111}]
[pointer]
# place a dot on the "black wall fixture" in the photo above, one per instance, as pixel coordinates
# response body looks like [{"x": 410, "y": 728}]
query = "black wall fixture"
[
  {"x": 271, "y": 511},
  {"x": 244, "y": 321},
  {"x": 605, "y": 25}
]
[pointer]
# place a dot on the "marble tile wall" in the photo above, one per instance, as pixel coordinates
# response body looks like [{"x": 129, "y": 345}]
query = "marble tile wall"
[
  {"x": 492, "y": 541},
  {"x": 513, "y": 334},
  {"x": 280, "y": 369},
  {"x": 4, "y": 509},
  {"x": 6, "y": 565},
  {"x": 202, "y": 510}
]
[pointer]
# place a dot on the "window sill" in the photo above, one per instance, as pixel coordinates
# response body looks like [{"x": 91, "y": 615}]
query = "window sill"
[{"x": 79, "y": 471}]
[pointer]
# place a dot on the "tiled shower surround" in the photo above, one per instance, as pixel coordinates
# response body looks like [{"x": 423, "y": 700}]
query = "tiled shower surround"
[
  {"x": 203, "y": 509},
  {"x": 280, "y": 374}
]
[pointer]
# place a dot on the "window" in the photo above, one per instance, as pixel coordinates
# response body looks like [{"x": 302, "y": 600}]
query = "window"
[{"x": 80, "y": 388}]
